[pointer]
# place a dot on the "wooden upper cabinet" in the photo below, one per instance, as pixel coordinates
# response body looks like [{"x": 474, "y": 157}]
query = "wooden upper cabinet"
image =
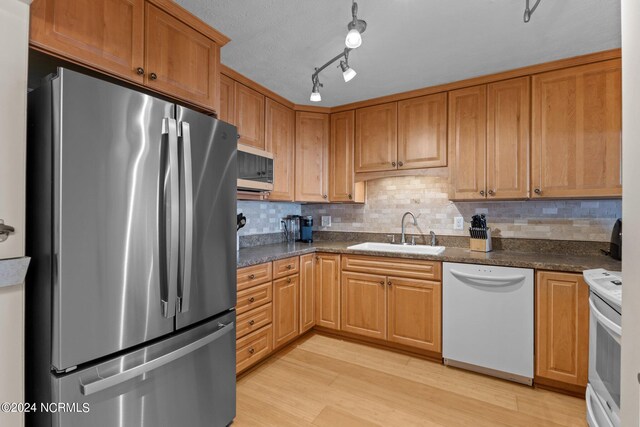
[
  {"x": 467, "y": 142},
  {"x": 286, "y": 310},
  {"x": 562, "y": 328},
  {"x": 249, "y": 116},
  {"x": 415, "y": 313},
  {"x": 422, "y": 132},
  {"x": 364, "y": 304},
  {"x": 508, "y": 141},
  {"x": 312, "y": 157},
  {"x": 327, "y": 284},
  {"x": 180, "y": 60},
  {"x": 376, "y": 138},
  {"x": 227, "y": 99},
  {"x": 342, "y": 185},
  {"x": 106, "y": 34},
  {"x": 280, "y": 140},
  {"x": 576, "y": 131},
  {"x": 307, "y": 292}
]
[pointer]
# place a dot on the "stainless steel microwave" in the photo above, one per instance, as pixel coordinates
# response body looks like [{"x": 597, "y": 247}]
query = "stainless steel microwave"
[{"x": 255, "y": 169}]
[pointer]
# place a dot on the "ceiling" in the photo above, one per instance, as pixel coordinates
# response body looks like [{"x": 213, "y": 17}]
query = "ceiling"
[{"x": 408, "y": 44}]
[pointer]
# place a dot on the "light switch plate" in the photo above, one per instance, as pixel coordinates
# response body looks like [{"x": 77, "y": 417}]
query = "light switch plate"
[
  {"x": 458, "y": 223},
  {"x": 326, "y": 221}
]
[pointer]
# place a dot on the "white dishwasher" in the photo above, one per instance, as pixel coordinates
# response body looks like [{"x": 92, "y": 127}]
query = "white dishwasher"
[{"x": 487, "y": 320}]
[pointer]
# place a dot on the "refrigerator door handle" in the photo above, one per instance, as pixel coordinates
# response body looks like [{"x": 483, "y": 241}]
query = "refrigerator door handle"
[
  {"x": 169, "y": 127},
  {"x": 186, "y": 242},
  {"x": 113, "y": 380}
]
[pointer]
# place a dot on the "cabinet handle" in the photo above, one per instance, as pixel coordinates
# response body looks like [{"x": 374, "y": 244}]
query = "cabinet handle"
[
  {"x": 140, "y": 71},
  {"x": 491, "y": 192},
  {"x": 252, "y": 276},
  {"x": 400, "y": 164},
  {"x": 482, "y": 192},
  {"x": 350, "y": 197},
  {"x": 252, "y": 322},
  {"x": 289, "y": 280},
  {"x": 393, "y": 164},
  {"x": 153, "y": 76},
  {"x": 252, "y": 299},
  {"x": 289, "y": 267},
  {"x": 252, "y": 350},
  {"x": 537, "y": 191}
]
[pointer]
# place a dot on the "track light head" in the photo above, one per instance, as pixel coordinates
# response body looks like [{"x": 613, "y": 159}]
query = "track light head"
[
  {"x": 315, "y": 92},
  {"x": 347, "y": 72},
  {"x": 356, "y": 27}
]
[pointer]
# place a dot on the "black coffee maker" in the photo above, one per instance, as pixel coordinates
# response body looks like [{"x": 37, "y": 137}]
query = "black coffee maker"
[
  {"x": 615, "y": 249},
  {"x": 306, "y": 229}
]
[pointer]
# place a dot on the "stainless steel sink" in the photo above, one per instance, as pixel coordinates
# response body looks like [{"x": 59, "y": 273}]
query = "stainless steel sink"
[{"x": 397, "y": 248}]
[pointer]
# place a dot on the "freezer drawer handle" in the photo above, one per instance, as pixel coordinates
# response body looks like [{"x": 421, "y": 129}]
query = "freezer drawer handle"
[
  {"x": 113, "y": 380},
  {"x": 496, "y": 281},
  {"x": 601, "y": 318},
  {"x": 186, "y": 244}
]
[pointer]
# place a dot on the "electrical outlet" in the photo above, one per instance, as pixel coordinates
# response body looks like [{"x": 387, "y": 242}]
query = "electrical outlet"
[
  {"x": 458, "y": 223},
  {"x": 281, "y": 225},
  {"x": 326, "y": 221}
]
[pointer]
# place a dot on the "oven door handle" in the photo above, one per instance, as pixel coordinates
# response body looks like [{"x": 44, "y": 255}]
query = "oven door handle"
[{"x": 604, "y": 321}]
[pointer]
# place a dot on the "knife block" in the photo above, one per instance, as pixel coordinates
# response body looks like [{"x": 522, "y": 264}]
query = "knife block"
[{"x": 481, "y": 245}]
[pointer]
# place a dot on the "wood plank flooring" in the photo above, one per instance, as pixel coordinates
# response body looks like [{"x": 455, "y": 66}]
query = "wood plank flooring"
[{"x": 325, "y": 381}]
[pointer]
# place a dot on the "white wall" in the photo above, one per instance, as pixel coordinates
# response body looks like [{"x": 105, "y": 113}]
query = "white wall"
[
  {"x": 14, "y": 38},
  {"x": 630, "y": 211}
]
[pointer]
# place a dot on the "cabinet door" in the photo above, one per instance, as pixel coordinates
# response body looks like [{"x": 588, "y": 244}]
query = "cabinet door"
[
  {"x": 508, "y": 139},
  {"x": 104, "y": 34},
  {"x": 280, "y": 134},
  {"x": 312, "y": 157},
  {"x": 341, "y": 175},
  {"x": 376, "y": 138},
  {"x": 562, "y": 327},
  {"x": 286, "y": 309},
  {"x": 422, "y": 132},
  {"x": 249, "y": 116},
  {"x": 179, "y": 60},
  {"x": 576, "y": 132},
  {"x": 227, "y": 99},
  {"x": 364, "y": 304},
  {"x": 415, "y": 317},
  {"x": 467, "y": 142},
  {"x": 328, "y": 290},
  {"x": 307, "y": 292}
]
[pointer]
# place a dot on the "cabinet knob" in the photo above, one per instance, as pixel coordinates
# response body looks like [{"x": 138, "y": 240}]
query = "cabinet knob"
[
  {"x": 252, "y": 299},
  {"x": 252, "y": 350},
  {"x": 389, "y": 283},
  {"x": 393, "y": 163},
  {"x": 350, "y": 197},
  {"x": 140, "y": 71},
  {"x": 491, "y": 192},
  {"x": 382, "y": 282},
  {"x": 252, "y": 276},
  {"x": 482, "y": 192},
  {"x": 400, "y": 164},
  {"x": 153, "y": 76},
  {"x": 324, "y": 196},
  {"x": 289, "y": 280},
  {"x": 537, "y": 191},
  {"x": 252, "y": 322},
  {"x": 289, "y": 267}
]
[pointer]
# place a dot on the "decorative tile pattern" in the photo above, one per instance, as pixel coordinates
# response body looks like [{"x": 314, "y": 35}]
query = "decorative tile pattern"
[
  {"x": 427, "y": 198},
  {"x": 264, "y": 217}
]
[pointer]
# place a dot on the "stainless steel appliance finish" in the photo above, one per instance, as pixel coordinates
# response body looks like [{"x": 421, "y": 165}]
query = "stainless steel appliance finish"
[
  {"x": 131, "y": 215},
  {"x": 255, "y": 169}
]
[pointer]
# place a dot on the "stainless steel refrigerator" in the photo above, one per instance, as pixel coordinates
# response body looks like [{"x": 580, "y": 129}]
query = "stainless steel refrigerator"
[{"x": 131, "y": 228}]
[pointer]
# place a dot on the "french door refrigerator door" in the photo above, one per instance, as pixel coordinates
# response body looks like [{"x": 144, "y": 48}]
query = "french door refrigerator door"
[
  {"x": 207, "y": 273},
  {"x": 109, "y": 260},
  {"x": 185, "y": 380}
]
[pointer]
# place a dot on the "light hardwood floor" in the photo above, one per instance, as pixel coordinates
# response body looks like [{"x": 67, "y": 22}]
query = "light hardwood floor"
[{"x": 325, "y": 381}]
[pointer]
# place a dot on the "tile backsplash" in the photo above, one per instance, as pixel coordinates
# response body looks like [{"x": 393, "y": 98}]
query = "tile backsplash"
[
  {"x": 264, "y": 217},
  {"x": 427, "y": 198}
]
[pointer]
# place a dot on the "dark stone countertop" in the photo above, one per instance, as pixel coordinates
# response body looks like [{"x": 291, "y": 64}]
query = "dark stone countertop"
[{"x": 505, "y": 258}]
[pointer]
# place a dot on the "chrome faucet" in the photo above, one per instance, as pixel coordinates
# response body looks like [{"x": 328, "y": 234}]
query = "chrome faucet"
[
  {"x": 415, "y": 222},
  {"x": 433, "y": 238}
]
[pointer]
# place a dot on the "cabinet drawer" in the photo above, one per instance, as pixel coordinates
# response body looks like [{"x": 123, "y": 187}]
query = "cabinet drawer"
[
  {"x": 253, "y": 275},
  {"x": 410, "y": 268},
  {"x": 254, "y": 297},
  {"x": 286, "y": 267},
  {"x": 253, "y": 348},
  {"x": 254, "y": 320}
]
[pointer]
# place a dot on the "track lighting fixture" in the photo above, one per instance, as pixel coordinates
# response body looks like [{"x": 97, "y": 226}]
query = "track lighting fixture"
[
  {"x": 529, "y": 11},
  {"x": 354, "y": 39}
]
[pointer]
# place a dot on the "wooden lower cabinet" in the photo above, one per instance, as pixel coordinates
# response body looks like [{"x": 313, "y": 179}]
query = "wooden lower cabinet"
[
  {"x": 254, "y": 297},
  {"x": 254, "y": 320},
  {"x": 286, "y": 310},
  {"x": 253, "y": 348},
  {"x": 562, "y": 329},
  {"x": 364, "y": 304},
  {"x": 307, "y": 292},
  {"x": 415, "y": 313},
  {"x": 327, "y": 283}
]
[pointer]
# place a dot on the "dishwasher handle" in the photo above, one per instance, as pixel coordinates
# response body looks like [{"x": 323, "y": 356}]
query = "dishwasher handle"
[{"x": 496, "y": 280}]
